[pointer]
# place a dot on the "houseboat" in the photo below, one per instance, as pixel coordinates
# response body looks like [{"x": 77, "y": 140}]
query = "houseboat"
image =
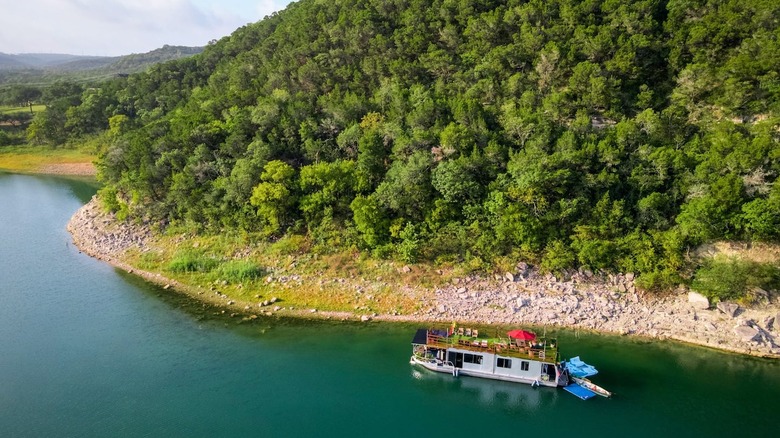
[{"x": 520, "y": 357}]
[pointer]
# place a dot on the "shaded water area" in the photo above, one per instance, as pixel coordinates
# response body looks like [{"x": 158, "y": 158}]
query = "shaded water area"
[{"x": 86, "y": 350}]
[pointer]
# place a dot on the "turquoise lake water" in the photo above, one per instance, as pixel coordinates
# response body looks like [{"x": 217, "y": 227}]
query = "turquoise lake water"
[{"x": 88, "y": 351}]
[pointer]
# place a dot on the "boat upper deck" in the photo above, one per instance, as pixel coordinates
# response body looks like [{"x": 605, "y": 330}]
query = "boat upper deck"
[{"x": 541, "y": 349}]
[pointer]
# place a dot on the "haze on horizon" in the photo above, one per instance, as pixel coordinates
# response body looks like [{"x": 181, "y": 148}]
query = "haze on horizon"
[{"x": 122, "y": 27}]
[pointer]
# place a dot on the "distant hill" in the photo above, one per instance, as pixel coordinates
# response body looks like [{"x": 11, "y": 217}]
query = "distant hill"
[
  {"x": 45, "y": 67},
  {"x": 41, "y": 61}
]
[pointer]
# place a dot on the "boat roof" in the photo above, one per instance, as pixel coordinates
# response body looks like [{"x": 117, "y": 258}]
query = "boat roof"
[
  {"x": 544, "y": 349},
  {"x": 421, "y": 337}
]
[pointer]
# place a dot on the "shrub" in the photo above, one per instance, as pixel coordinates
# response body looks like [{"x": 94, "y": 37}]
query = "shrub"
[{"x": 730, "y": 278}]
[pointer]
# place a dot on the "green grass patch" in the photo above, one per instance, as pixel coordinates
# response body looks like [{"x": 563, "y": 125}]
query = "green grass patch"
[
  {"x": 31, "y": 159},
  {"x": 191, "y": 261},
  {"x": 6, "y": 109},
  {"x": 289, "y": 245},
  {"x": 238, "y": 271}
]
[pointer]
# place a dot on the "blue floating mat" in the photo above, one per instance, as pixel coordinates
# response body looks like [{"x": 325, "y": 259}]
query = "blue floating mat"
[{"x": 579, "y": 391}]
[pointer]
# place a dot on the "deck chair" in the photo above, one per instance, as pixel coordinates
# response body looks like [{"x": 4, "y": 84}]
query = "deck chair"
[
  {"x": 475, "y": 333},
  {"x": 468, "y": 332},
  {"x": 460, "y": 331}
]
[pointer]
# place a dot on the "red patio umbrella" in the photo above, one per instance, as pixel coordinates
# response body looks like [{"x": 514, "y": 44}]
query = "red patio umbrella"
[{"x": 521, "y": 334}]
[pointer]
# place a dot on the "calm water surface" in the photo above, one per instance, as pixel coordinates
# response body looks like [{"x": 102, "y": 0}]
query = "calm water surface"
[{"x": 88, "y": 351}]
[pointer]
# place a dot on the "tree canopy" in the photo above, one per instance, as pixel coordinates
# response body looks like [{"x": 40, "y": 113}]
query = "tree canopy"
[{"x": 606, "y": 134}]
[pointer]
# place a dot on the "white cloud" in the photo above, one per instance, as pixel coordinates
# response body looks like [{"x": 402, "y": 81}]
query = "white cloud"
[{"x": 116, "y": 27}]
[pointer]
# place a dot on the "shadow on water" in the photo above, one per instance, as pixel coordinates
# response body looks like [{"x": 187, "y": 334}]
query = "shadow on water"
[{"x": 82, "y": 187}]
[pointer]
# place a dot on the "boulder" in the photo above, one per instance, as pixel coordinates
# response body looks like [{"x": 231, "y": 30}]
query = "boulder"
[
  {"x": 522, "y": 268},
  {"x": 698, "y": 301},
  {"x": 365, "y": 318},
  {"x": 510, "y": 277},
  {"x": 760, "y": 294},
  {"x": 728, "y": 308},
  {"x": 746, "y": 333},
  {"x": 406, "y": 269}
]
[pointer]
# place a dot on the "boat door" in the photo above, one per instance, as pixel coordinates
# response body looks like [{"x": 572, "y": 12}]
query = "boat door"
[
  {"x": 548, "y": 372},
  {"x": 456, "y": 358}
]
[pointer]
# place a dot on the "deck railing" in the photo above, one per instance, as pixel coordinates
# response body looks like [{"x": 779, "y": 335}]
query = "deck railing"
[{"x": 546, "y": 351}]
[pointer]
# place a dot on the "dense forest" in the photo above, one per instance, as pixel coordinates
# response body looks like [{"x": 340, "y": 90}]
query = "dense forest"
[{"x": 610, "y": 135}]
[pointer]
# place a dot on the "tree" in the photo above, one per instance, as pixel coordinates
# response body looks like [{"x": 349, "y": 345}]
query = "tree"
[
  {"x": 370, "y": 220},
  {"x": 26, "y": 96},
  {"x": 274, "y": 197},
  {"x": 407, "y": 188}
]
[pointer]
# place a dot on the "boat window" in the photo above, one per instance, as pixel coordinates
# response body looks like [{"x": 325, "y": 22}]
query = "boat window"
[
  {"x": 524, "y": 366},
  {"x": 504, "y": 363},
  {"x": 472, "y": 358}
]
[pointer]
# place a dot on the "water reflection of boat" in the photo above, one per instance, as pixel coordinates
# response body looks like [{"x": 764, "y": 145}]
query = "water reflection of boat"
[{"x": 488, "y": 392}]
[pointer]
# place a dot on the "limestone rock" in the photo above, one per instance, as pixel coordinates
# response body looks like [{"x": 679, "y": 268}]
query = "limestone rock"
[
  {"x": 406, "y": 269},
  {"x": 365, "y": 318},
  {"x": 698, "y": 301},
  {"x": 746, "y": 333},
  {"x": 510, "y": 277},
  {"x": 522, "y": 269},
  {"x": 728, "y": 308}
]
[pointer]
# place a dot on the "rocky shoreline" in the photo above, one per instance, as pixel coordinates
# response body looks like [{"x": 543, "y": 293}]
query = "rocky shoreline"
[{"x": 584, "y": 301}]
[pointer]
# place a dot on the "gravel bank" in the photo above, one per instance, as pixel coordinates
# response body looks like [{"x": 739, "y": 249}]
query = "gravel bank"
[{"x": 522, "y": 297}]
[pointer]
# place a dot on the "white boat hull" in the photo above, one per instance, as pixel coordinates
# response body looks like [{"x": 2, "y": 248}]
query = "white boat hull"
[{"x": 449, "y": 368}]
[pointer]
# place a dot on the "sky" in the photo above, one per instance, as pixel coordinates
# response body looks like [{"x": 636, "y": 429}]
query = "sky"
[{"x": 122, "y": 27}]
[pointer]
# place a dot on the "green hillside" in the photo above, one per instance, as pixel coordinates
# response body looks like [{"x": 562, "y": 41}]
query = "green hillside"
[
  {"x": 602, "y": 134},
  {"x": 42, "y": 69}
]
